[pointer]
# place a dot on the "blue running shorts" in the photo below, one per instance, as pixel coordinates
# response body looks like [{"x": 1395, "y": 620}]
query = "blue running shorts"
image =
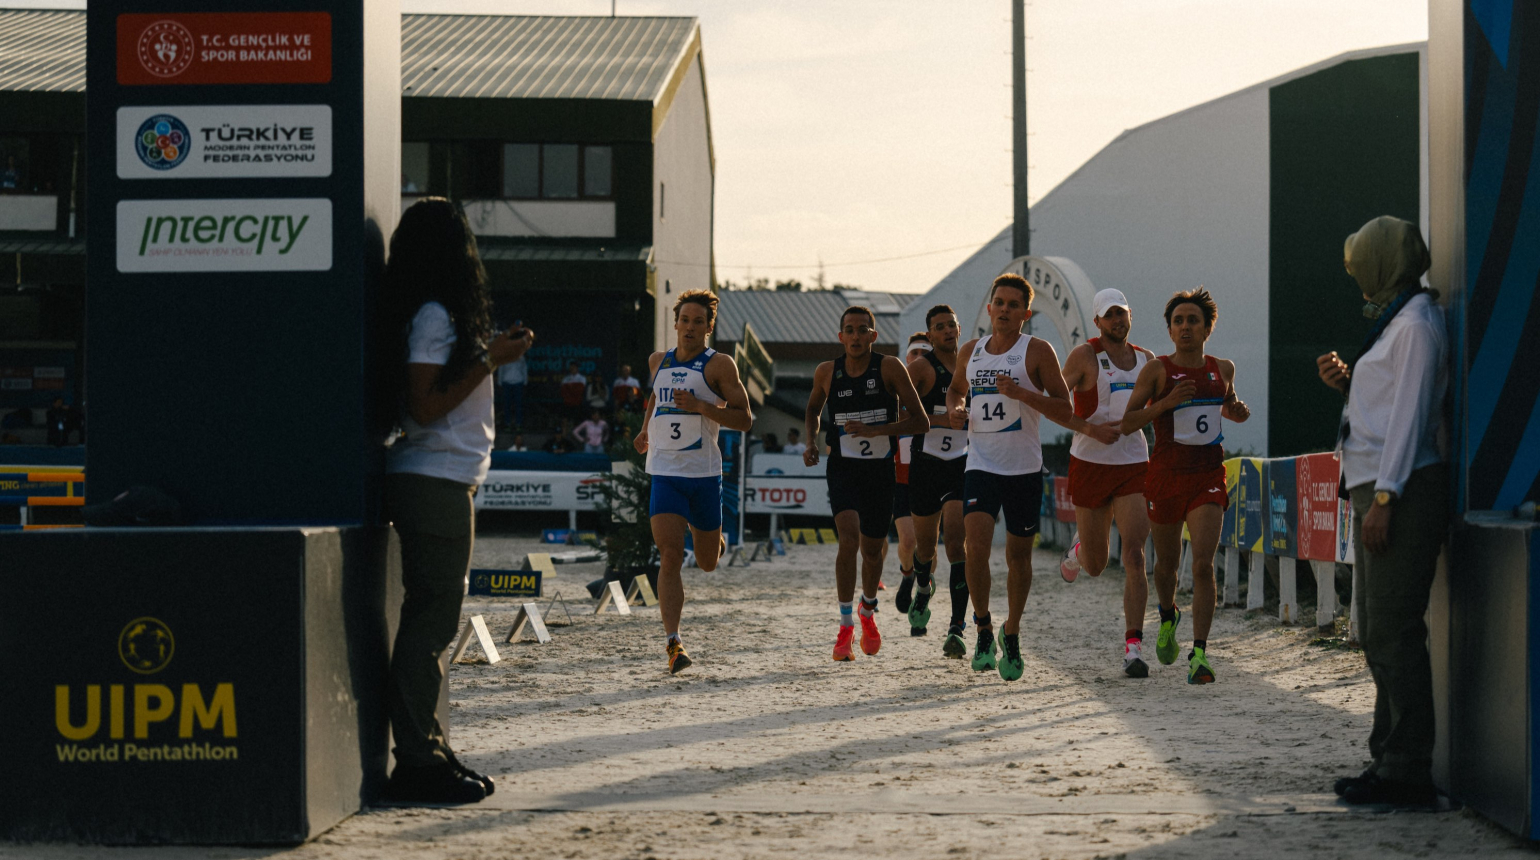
[{"x": 698, "y": 500}]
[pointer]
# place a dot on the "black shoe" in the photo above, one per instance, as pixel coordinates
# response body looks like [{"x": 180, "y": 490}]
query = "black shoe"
[
  {"x": 905, "y": 590},
  {"x": 1342, "y": 784},
  {"x": 1377, "y": 790},
  {"x": 486, "y": 781},
  {"x": 438, "y": 783}
]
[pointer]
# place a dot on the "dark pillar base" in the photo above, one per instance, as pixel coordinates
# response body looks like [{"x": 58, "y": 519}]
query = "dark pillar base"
[{"x": 197, "y": 685}]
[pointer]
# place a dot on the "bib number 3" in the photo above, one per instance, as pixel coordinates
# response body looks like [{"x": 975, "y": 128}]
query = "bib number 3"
[{"x": 674, "y": 432}]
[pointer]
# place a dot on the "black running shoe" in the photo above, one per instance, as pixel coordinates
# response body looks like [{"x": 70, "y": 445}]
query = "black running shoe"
[
  {"x": 438, "y": 783},
  {"x": 1342, "y": 785},
  {"x": 1383, "y": 791},
  {"x": 486, "y": 781},
  {"x": 902, "y": 600}
]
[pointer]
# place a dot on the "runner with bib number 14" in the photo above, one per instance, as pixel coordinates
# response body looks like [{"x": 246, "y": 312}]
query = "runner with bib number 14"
[{"x": 1188, "y": 395}]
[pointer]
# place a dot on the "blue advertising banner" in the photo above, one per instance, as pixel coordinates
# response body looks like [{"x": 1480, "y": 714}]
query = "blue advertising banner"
[
  {"x": 1280, "y": 522},
  {"x": 1248, "y": 502}
]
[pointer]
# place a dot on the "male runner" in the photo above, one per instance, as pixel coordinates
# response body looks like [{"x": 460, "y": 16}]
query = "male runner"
[
  {"x": 1106, "y": 481},
  {"x": 936, "y": 481},
  {"x": 695, "y": 390},
  {"x": 903, "y": 521},
  {"x": 1012, "y": 378},
  {"x": 863, "y": 390},
  {"x": 1186, "y": 394}
]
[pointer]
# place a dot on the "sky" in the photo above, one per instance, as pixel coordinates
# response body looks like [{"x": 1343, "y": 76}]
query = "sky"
[{"x": 852, "y": 131}]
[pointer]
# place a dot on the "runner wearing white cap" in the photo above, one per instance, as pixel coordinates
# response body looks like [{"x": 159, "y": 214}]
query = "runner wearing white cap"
[{"x": 1106, "y": 479}]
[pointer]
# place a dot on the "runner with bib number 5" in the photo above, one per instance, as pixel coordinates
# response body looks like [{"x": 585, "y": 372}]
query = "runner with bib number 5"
[
  {"x": 1188, "y": 395},
  {"x": 863, "y": 390}
]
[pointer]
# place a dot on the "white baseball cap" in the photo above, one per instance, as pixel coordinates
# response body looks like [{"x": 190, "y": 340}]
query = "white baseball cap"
[{"x": 1108, "y": 299}]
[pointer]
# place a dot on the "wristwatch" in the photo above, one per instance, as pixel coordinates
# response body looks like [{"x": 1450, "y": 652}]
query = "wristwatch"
[{"x": 1384, "y": 498}]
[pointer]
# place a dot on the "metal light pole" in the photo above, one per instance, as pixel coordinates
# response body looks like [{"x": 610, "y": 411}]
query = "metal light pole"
[{"x": 1021, "y": 230}]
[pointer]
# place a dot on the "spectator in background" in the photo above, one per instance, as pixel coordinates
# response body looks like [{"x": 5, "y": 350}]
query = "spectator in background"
[
  {"x": 772, "y": 444},
  {"x": 597, "y": 396},
  {"x": 517, "y": 444},
  {"x": 574, "y": 387},
  {"x": 63, "y": 422},
  {"x": 560, "y": 441},
  {"x": 511, "y": 379},
  {"x": 793, "y": 442},
  {"x": 627, "y": 390},
  {"x": 593, "y": 433},
  {"x": 10, "y": 178}
]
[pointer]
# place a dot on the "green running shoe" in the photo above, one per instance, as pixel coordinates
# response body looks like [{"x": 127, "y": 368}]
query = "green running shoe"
[
  {"x": 1011, "y": 664},
  {"x": 954, "y": 648},
  {"x": 1198, "y": 669},
  {"x": 919, "y": 612},
  {"x": 984, "y": 651},
  {"x": 1166, "y": 648}
]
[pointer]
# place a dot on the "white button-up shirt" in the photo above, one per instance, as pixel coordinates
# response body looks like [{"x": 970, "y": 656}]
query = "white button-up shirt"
[{"x": 1396, "y": 402}]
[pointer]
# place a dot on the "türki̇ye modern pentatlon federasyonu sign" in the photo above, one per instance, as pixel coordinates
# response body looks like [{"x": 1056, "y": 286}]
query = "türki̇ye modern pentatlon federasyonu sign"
[{"x": 224, "y": 141}]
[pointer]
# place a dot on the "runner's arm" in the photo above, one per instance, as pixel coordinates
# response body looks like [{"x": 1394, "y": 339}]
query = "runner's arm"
[
  {"x": 811, "y": 419},
  {"x": 1054, "y": 403},
  {"x": 957, "y": 392},
  {"x": 1075, "y": 366},
  {"x": 914, "y": 421},
  {"x": 1151, "y": 379},
  {"x": 640, "y": 442},
  {"x": 1234, "y": 408},
  {"x": 734, "y": 414}
]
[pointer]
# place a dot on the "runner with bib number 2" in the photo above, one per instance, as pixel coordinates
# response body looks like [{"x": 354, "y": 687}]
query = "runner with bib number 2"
[
  {"x": 863, "y": 390},
  {"x": 1188, "y": 395}
]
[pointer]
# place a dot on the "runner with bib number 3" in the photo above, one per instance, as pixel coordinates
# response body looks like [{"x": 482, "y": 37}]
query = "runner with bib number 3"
[
  {"x": 1188, "y": 395},
  {"x": 695, "y": 390}
]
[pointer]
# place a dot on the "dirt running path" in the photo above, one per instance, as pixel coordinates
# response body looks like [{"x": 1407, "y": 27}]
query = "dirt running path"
[{"x": 767, "y": 748}]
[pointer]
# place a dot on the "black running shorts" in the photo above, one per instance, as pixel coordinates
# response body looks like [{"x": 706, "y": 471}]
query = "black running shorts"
[
  {"x": 1020, "y": 496},
  {"x": 933, "y": 483},
  {"x": 865, "y": 487},
  {"x": 900, "y": 500}
]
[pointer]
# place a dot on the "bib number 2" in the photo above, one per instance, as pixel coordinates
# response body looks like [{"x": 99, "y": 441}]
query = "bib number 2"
[{"x": 862, "y": 448}]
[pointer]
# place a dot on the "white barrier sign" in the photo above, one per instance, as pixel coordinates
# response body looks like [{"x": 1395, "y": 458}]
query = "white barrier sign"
[
  {"x": 251, "y": 235},
  {"x": 224, "y": 141},
  {"x": 787, "y": 494},
  {"x": 536, "y": 491}
]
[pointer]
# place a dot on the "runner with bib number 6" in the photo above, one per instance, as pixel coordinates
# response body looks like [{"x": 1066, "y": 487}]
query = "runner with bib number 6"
[{"x": 1188, "y": 395}]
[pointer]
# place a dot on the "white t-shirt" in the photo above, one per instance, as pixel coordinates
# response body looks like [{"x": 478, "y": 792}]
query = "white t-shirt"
[
  {"x": 794, "y": 448},
  {"x": 458, "y": 446},
  {"x": 514, "y": 372}
]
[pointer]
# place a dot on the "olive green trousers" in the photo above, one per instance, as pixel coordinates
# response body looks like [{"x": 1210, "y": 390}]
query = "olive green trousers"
[{"x": 436, "y": 521}]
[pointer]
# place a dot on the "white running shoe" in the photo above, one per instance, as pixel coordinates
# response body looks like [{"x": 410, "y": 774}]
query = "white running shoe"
[
  {"x": 1133, "y": 662},
  {"x": 1069, "y": 566}
]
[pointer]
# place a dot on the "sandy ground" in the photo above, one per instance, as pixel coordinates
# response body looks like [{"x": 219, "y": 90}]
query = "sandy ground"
[{"x": 767, "y": 748}]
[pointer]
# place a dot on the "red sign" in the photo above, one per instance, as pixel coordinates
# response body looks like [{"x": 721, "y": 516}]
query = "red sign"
[
  {"x": 225, "y": 48},
  {"x": 1315, "y": 477},
  {"x": 1063, "y": 506}
]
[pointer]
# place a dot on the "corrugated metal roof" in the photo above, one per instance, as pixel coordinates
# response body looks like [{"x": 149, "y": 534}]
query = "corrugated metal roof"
[
  {"x": 43, "y": 50},
  {"x": 782, "y": 316},
  {"x": 624, "y": 253},
  {"x": 518, "y": 57},
  {"x": 447, "y": 56},
  {"x": 68, "y": 247}
]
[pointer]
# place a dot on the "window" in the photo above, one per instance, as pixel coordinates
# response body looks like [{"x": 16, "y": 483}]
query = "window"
[
  {"x": 557, "y": 171},
  {"x": 414, "y": 167},
  {"x": 662, "y": 201}
]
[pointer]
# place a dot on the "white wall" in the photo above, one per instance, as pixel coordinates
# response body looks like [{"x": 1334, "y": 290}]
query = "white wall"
[
  {"x": 681, "y": 225},
  {"x": 29, "y": 212},
  {"x": 592, "y": 219}
]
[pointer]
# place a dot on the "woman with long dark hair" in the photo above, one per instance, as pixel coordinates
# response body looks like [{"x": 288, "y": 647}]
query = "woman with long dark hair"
[{"x": 443, "y": 351}]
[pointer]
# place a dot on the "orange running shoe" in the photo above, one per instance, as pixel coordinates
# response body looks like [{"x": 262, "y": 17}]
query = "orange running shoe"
[
  {"x": 678, "y": 661},
  {"x": 842, "y": 643},
  {"x": 871, "y": 640}
]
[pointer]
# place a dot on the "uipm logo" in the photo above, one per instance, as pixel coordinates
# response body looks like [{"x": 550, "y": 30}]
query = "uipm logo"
[{"x": 146, "y": 645}]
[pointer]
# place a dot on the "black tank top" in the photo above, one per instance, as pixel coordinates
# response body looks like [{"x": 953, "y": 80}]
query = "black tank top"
[
  {"x": 864, "y": 398},
  {"x": 936, "y": 396}
]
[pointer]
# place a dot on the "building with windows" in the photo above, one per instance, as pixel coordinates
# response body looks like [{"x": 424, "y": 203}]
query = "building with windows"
[{"x": 579, "y": 147}]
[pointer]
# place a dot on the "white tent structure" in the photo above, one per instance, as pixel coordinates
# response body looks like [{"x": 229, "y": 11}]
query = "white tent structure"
[{"x": 1178, "y": 202}]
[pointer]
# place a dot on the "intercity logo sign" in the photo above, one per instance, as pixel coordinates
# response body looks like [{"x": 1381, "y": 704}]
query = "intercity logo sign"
[
  {"x": 139, "y": 725},
  {"x": 225, "y": 48},
  {"x": 252, "y": 235},
  {"x": 224, "y": 141}
]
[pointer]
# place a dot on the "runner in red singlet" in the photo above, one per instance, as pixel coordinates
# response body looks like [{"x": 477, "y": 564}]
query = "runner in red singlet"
[{"x": 1188, "y": 395}]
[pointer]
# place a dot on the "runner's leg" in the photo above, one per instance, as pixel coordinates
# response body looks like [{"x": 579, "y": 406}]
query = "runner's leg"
[
  {"x": 1168, "y": 555},
  {"x": 979, "y": 529},
  {"x": 847, "y": 525},
  {"x": 668, "y": 535},
  {"x": 1203, "y": 525},
  {"x": 1094, "y": 527},
  {"x": 1133, "y": 528},
  {"x": 1018, "y": 563},
  {"x": 708, "y": 548}
]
